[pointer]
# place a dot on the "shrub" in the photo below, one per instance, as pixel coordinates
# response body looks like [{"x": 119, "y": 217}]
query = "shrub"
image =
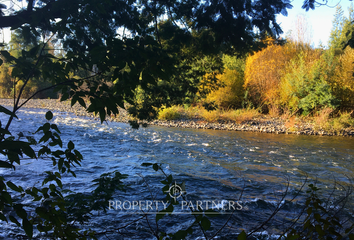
[
  {"x": 264, "y": 70},
  {"x": 170, "y": 113},
  {"x": 231, "y": 92},
  {"x": 211, "y": 116},
  {"x": 304, "y": 87}
]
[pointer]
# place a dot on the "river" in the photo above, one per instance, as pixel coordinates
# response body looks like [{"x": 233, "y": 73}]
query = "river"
[{"x": 250, "y": 168}]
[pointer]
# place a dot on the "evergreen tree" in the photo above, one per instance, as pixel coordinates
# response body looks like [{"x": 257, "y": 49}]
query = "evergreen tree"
[{"x": 342, "y": 29}]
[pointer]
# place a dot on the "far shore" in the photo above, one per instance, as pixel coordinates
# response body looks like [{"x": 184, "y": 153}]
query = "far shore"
[{"x": 263, "y": 124}]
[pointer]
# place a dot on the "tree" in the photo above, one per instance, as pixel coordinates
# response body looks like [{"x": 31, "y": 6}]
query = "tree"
[
  {"x": 342, "y": 30},
  {"x": 228, "y": 91},
  {"x": 264, "y": 70},
  {"x": 301, "y": 34}
]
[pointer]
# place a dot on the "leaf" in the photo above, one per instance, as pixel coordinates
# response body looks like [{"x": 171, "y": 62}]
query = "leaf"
[
  {"x": 155, "y": 166},
  {"x": 205, "y": 223},
  {"x": 14, "y": 187},
  {"x": 82, "y": 102},
  {"x": 14, "y": 220},
  {"x": 102, "y": 114},
  {"x": 55, "y": 127},
  {"x": 3, "y": 131},
  {"x": 2, "y": 217},
  {"x": 146, "y": 164},
  {"x": 4, "y": 164},
  {"x": 64, "y": 97},
  {"x": 7, "y": 111},
  {"x": 242, "y": 236},
  {"x": 169, "y": 209},
  {"x": 49, "y": 115},
  {"x": 28, "y": 151},
  {"x": 71, "y": 145},
  {"x": 28, "y": 227},
  {"x": 160, "y": 215},
  {"x": 181, "y": 234}
]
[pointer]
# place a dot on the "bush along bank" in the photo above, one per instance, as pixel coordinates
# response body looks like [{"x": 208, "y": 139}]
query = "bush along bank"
[{"x": 235, "y": 120}]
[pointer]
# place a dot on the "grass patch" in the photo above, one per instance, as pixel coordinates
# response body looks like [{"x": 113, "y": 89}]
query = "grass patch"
[
  {"x": 211, "y": 116},
  {"x": 323, "y": 121},
  {"x": 193, "y": 112},
  {"x": 241, "y": 115}
]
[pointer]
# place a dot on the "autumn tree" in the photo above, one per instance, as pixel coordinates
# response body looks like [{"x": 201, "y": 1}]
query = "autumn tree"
[
  {"x": 229, "y": 90},
  {"x": 264, "y": 70},
  {"x": 342, "y": 81}
]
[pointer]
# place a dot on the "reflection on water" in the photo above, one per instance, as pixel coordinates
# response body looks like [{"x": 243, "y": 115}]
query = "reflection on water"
[{"x": 214, "y": 164}]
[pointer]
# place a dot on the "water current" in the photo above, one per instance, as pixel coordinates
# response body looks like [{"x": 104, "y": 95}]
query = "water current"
[{"x": 219, "y": 166}]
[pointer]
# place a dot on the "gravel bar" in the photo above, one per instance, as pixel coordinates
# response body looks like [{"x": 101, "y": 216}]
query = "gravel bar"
[{"x": 264, "y": 124}]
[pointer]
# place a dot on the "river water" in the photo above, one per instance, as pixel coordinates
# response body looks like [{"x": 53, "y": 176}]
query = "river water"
[{"x": 216, "y": 166}]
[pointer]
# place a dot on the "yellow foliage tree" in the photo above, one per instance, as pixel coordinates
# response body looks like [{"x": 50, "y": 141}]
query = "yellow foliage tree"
[
  {"x": 6, "y": 82},
  {"x": 264, "y": 70},
  {"x": 342, "y": 82},
  {"x": 231, "y": 92}
]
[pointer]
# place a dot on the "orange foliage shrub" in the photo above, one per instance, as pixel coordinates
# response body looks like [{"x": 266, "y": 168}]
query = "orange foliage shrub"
[{"x": 264, "y": 70}]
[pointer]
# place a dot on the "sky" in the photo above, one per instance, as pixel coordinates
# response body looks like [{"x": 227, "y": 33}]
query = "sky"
[{"x": 320, "y": 19}]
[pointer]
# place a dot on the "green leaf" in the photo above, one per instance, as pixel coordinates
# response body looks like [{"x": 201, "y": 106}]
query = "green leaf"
[
  {"x": 14, "y": 220},
  {"x": 14, "y": 187},
  {"x": 7, "y": 111},
  {"x": 82, "y": 102},
  {"x": 20, "y": 211},
  {"x": 169, "y": 209},
  {"x": 46, "y": 127},
  {"x": 55, "y": 127},
  {"x": 4, "y": 164},
  {"x": 71, "y": 145},
  {"x": 205, "y": 223},
  {"x": 2, "y": 217},
  {"x": 64, "y": 97},
  {"x": 242, "y": 236},
  {"x": 28, "y": 227},
  {"x": 309, "y": 210},
  {"x": 181, "y": 234},
  {"x": 49, "y": 115},
  {"x": 160, "y": 215},
  {"x": 146, "y": 164},
  {"x": 3, "y": 131},
  {"x": 28, "y": 151},
  {"x": 155, "y": 166},
  {"x": 102, "y": 114}
]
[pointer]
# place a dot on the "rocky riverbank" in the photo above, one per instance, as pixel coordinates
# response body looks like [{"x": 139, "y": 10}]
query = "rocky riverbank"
[{"x": 263, "y": 124}]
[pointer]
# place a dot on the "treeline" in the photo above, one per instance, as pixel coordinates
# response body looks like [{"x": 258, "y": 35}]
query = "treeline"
[
  {"x": 275, "y": 75},
  {"x": 9, "y": 85},
  {"x": 290, "y": 76}
]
